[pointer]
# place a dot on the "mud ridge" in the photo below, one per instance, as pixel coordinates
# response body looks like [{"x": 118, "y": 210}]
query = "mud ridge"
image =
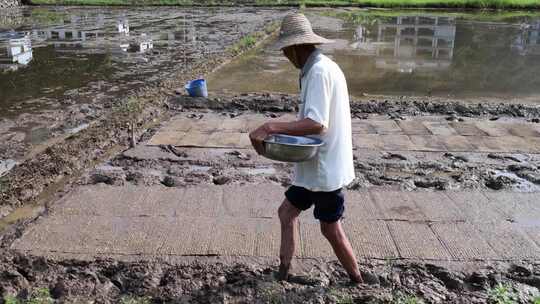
[
  {"x": 410, "y": 171},
  {"x": 394, "y": 106},
  {"x": 113, "y": 281}
]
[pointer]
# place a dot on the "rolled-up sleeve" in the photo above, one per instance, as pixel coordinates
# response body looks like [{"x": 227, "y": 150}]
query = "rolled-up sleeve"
[{"x": 317, "y": 98}]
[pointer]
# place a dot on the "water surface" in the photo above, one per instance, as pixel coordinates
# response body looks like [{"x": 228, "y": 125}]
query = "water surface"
[
  {"x": 412, "y": 53},
  {"x": 63, "y": 67},
  {"x": 49, "y": 52}
]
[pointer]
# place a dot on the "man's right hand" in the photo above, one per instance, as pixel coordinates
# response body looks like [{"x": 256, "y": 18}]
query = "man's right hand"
[{"x": 258, "y": 136}]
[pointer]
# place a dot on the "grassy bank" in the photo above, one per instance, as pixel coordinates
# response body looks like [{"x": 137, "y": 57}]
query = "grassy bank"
[
  {"x": 362, "y": 16},
  {"x": 477, "y": 4},
  {"x": 430, "y": 3}
]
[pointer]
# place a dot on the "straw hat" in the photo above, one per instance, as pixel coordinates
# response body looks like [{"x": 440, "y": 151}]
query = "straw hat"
[{"x": 296, "y": 29}]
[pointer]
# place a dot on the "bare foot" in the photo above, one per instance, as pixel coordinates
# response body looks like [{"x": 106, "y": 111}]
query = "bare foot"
[
  {"x": 356, "y": 279},
  {"x": 283, "y": 273}
]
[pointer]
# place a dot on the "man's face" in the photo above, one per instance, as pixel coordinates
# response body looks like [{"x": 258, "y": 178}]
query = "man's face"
[{"x": 290, "y": 53}]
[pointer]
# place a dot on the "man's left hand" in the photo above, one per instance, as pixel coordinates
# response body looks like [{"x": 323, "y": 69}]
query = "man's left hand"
[{"x": 258, "y": 136}]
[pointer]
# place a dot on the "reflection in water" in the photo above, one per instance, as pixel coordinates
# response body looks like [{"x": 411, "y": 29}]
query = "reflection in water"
[
  {"x": 16, "y": 51},
  {"x": 410, "y": 54},
  {"x": 528, "y": 42},
  {"x": 82, "y": 46},
  {"x": 143, "y": 44},
  {"x": 123, "y": 26},
  {"x": 407, "y": 43},
  {"x": 80, "y": 36},
  {"x": 96, "y": 54}
]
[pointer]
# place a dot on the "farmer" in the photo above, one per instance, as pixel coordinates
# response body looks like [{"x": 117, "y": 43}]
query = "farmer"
[{"x": 324, "y": 113}]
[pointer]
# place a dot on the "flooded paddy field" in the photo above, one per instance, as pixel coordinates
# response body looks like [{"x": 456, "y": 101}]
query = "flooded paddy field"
[
  {"x": 429, "y": 53},
  {"x": 443, "y": 208},
  {"x": 64, "y": 66}
]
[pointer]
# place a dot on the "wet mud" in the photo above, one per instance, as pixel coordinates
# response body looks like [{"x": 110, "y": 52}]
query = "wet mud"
[
  {"x": 410, "y": 171},
  {"x": 393, "y": 106},
  {"x": 221, "y": 280},
  {"x": 113, "y": 126},
  {"x": 241, "y": 280},
  {"x": 447, "y": 171},
  {"x": 40, "y": 106},
  {"x": 393, "y": 171},
  {"x": 88, "y": 155},
  {"x": 211, "y": 280},
  {"x": 215, "y": 279},
  {"x": 180, "y": 167}
]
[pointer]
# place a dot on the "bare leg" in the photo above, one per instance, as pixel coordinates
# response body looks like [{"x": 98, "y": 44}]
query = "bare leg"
[
  {"x": 288, "y": 217},
  {"x": 334, "y": 233}
]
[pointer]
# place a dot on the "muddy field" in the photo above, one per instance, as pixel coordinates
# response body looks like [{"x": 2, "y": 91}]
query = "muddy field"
[
  {"x": 40, "y": 107},
  {"x": 403, "y": 170},
  {"x": 252, "y": 280},
  {"x": 180, "y": 167},
  {"x": 74, "y": 137},
  {"x": 92, "y": 147},
  {"x": 244, "y": 280},
  {"x": 393, "y": 171}
]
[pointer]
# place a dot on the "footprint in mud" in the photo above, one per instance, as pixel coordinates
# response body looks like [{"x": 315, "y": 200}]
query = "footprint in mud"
[
  {"x": 500, "y": 182},
  {"x": 438, "y": 184}
]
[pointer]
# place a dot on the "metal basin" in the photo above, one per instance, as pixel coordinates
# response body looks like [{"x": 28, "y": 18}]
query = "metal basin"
[{"x": 289, "y": 148}]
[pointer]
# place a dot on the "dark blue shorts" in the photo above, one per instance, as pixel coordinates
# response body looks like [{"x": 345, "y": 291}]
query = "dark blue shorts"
[{"x": 329, "y": 206}]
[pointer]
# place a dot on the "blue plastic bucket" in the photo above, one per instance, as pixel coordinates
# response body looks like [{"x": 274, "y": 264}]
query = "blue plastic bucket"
[{"x": 197, "y": 88}]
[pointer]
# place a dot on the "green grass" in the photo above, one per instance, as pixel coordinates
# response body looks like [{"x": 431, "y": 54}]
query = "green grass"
[
  {"x": 245, "y": 43},
  {"x": 249, "y": 41},
  {"x": 502, "y": 294},
  {"x": 41, "y": 296},
  {"x": 340, "y": 297},
  {"x": 367, "y": 17},
  {"x": 269, "y": 292},
  {"x": 536, "y": 300},
  {"x": 481, "y": 4},
  {"x": 11, "y": 300},
  {"x": 38, "y": 296},
  {"x": 401, "y": 298},
  {"x": 429, "y": 3},
  {"x": 45, "y": 16},
  {"x": 131, "y": 107}
]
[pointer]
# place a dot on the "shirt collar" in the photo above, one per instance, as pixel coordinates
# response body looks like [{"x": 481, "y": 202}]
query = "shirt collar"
[{"x": 313, "y": 58}]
